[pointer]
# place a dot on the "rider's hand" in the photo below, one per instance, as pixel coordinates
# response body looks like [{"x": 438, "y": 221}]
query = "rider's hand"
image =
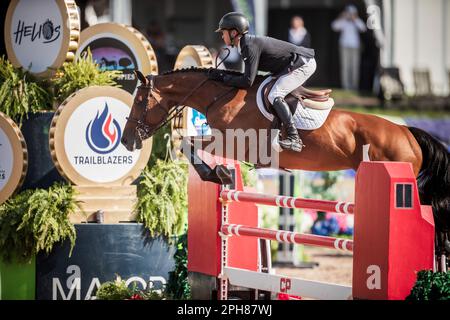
[{"x": 216, "y": 75}]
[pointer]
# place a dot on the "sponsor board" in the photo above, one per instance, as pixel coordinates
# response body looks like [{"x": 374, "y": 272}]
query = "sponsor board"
[
  {"x": 119, "y": 47},
  {"x": 85, "y": 138},
  {"x": 41, "y": 35},
  {"x": 13, "y": 157}
]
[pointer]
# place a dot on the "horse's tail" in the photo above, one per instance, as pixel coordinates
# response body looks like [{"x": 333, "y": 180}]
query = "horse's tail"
[{"x": 434, "y": 177}]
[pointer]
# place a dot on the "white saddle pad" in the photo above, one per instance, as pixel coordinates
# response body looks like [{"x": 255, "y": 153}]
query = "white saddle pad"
[{"x": 305, "y": 118}]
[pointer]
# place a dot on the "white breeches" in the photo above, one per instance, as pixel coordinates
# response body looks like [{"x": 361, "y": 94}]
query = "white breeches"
[{"x": 291, "y": 81}]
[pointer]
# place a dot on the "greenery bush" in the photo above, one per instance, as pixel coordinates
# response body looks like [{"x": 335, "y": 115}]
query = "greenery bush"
[
  {"x": 162, "y": 198},
  {"x": 178, "y": 286},
  {"x": 35, "y": 220},
  {"x": 431, "y": 286},
  {"x": 20, "y": 92},
  {"x": 79, "y": 74},
  {"x": 118, "y": 290}
]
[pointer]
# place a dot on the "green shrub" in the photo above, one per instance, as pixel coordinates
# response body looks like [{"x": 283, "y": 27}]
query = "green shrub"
[
  {"x": 118, "y": 290},
  {"x": 178, "y": 286},
  {"x": 20, "y": 92},
  {"x": 79, "y": 74},
  {"x": 162, "y": 198},
  {"x": 431, "y": 286},
  {"x": 35, "y": 220},
  {"x": 113, "y": 290}
]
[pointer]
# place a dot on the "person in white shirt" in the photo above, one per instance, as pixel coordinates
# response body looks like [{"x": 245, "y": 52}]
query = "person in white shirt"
[
  {"x": 350, "y": 26},
  {"x": 298, "y": 34}
]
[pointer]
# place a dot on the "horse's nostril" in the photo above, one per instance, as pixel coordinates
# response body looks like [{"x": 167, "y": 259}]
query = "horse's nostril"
[{"x": 123, "y": 140}]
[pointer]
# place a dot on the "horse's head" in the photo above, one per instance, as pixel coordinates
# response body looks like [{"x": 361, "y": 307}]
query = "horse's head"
[{"x": 146, "y": 116}]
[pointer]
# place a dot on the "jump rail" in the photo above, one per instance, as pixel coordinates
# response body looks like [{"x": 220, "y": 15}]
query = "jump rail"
[
  {"x": 288, "y": 202},
  {"x": 288, "y": 237}
]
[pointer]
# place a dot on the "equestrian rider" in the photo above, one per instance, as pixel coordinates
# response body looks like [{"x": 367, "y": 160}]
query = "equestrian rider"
[{"x": 293, "y": 64}]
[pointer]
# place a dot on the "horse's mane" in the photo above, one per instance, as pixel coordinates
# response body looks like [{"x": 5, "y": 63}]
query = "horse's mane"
[
  {"x": 259, "y": 78},
  {"x": 203, "y": 70}
]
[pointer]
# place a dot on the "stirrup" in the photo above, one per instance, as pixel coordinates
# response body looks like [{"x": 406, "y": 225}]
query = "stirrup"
[{"x": 289, "y": 144}]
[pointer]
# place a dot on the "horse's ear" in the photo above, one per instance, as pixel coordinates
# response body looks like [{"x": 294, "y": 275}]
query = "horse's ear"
[{"x": 141, "y": 77}]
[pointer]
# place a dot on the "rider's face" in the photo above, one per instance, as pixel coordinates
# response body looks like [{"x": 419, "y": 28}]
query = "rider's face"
[{"x": 226, "y": 37}]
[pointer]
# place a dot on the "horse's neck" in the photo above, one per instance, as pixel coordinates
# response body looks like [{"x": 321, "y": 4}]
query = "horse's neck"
[
  {"x": 187, "y": 89},
  {"x": 223, "y": 105}
]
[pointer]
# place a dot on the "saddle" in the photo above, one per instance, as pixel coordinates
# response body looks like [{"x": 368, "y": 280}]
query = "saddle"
[{"x": 315, "y": 99}]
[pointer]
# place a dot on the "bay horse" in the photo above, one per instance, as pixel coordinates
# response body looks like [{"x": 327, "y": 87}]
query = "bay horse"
[{"x": 336, "y": 145}]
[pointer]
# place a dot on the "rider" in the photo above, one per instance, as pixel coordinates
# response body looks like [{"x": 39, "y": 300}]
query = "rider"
[{"x": 293, "y": 64}]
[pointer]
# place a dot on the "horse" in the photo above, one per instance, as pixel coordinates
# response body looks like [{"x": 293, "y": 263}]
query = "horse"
[{"x": 337, "y": 145}]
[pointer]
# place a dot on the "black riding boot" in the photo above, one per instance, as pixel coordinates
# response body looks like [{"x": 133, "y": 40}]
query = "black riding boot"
[{"x": 293, "y": 141}]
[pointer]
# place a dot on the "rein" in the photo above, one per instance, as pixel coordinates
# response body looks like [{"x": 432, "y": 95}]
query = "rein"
[{"x": 144, "y": 130}]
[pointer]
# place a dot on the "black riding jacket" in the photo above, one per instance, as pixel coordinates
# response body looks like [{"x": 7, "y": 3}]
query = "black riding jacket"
[{"x": 266, "y": 54}]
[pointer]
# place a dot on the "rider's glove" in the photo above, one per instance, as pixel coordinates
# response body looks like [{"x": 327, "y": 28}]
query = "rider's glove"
[{"x": 216, "y": 75}]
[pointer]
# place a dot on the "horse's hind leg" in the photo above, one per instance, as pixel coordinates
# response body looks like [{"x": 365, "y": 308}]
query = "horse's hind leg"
[{"x": 220, "y": 174}]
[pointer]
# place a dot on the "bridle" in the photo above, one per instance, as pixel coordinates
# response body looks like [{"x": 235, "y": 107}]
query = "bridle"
[{"x": 144, "y": 130}]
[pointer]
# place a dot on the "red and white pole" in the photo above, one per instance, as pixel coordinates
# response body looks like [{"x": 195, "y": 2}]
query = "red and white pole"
[
  {"x": 288, "y": 202},
  {"x": 287, "y": 237}
]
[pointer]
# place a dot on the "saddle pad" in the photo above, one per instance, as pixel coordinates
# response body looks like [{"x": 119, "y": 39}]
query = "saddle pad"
[{"x": 304, "y": 118}]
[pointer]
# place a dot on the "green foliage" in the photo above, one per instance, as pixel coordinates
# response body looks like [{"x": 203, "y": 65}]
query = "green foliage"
[
  {"x": 162, "y": 197},
  {"x": 248, "y": 172},
  {"x": 20, "y": 92},
  {"x": 324, "y": 189},
  {"x": 431, "y": 286},
  {"x": 161, "y": 145},
  {"x": 118, "y": 290},
  {"x": 178, "y": 286},
  {"x": 79, "y": 74},
  {"x": 35, "y": 220},
  {"x": 114, "y": 290}
]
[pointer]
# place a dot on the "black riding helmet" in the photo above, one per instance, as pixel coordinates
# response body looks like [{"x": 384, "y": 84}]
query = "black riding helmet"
[{"x": 234, "y": 20}]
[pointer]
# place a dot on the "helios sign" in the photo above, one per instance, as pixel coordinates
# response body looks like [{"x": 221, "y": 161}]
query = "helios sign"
[
  {"x": 85, "y": 135},
  {"x": 41, "y": 35}
]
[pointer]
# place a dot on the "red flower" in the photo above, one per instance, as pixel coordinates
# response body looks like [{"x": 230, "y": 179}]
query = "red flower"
[{"x": 136, "y": 297}]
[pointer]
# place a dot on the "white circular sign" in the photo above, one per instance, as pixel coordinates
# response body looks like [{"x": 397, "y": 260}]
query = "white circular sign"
[
  {"x": 41, "y": 35},
  {"x": 85, "y": 138},
  {"x": 6, "y": 159},
  {"x": 36, "y": 33},
  {"x": 13, "y": 157},
  {"x": 119, "y": 47},
  {"x": 92, "y": 140}
]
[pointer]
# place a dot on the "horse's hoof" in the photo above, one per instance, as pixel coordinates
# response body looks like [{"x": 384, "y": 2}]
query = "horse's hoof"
[{"x": 224, "y": 174}]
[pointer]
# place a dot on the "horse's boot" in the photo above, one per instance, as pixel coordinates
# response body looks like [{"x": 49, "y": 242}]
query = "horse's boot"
[{"x": 292, "y": 141}]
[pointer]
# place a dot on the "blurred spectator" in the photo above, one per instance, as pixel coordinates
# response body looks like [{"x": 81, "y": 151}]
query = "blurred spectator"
[
  {"x": 298, "y": 34},
  {"x": 97, "y": 11},
  {"x": 349, "y": 25},
  {"x": 157, "y": 38}
]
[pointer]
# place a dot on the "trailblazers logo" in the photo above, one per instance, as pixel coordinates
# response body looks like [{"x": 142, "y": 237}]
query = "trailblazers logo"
[{"x": 103, "y": 133}]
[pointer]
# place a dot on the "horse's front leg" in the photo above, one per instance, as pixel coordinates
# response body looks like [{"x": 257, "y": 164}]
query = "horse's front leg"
[{"x": 220, "y": 174}]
